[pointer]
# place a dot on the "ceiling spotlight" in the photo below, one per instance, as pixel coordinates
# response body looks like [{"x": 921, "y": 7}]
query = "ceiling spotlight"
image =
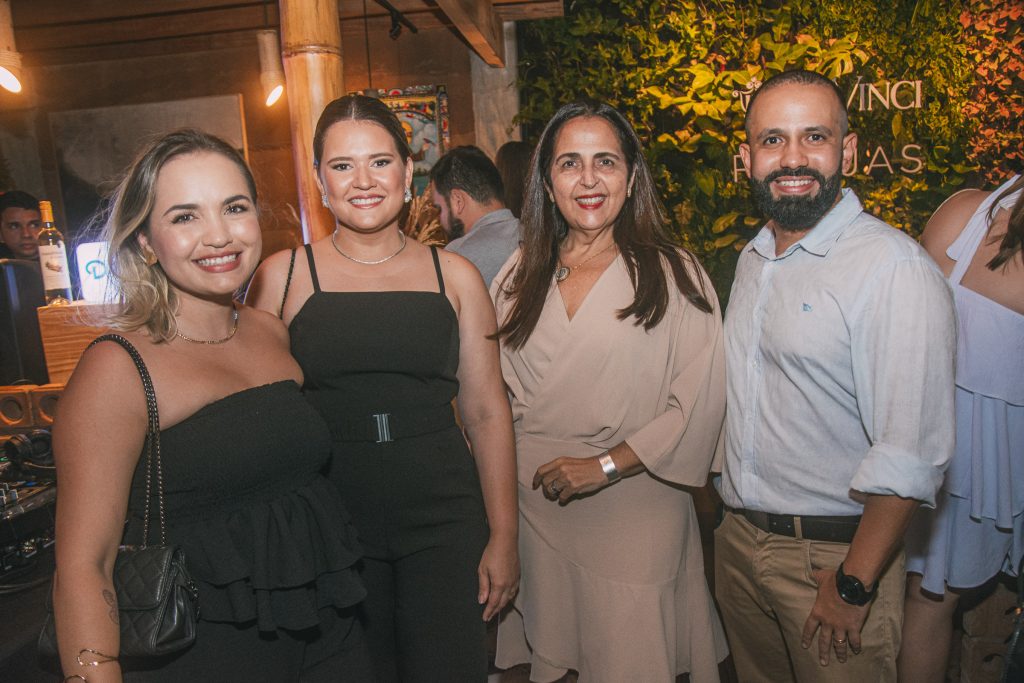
[
  {"x": 10, "y": 60},
  {"x": 271, "y": 71},
  {"x": 396, "y": 26}
]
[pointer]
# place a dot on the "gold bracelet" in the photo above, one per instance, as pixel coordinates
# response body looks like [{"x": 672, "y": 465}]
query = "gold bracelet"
[{"x": 98, "y": 658}]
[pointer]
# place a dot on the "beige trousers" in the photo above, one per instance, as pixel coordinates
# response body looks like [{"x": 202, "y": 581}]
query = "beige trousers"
[{"x": 765, "y": 590}]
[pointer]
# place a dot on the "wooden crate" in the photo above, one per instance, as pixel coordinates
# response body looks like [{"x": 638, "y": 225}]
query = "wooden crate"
[{"x": 66, "y": 332}]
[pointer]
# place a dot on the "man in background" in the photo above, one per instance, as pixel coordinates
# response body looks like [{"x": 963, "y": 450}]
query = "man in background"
[
  {"x": 467, "y": 188},
  {"x": 20, "y": 224}
]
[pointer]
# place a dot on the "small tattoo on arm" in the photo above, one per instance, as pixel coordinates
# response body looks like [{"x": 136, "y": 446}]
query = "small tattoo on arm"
[{"x": 108, "y": 598}]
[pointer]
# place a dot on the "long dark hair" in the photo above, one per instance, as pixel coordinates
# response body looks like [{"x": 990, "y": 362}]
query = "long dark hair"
[
  {"x": 513, "y": 162},
  {"x": 1013, "y": 241},
  {"x": 639, "y": 233}
]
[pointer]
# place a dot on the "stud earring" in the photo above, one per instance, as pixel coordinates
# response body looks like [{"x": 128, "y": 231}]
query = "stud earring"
[
  {"x": 149, "y": 256},
  {"x": 323, "y": 200},
  {"x": 629, "y": 192},
  {"x": 408, "y": 195}
]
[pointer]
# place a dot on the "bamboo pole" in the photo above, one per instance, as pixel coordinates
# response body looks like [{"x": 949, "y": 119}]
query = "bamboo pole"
[{"x": 311, "y": 48}]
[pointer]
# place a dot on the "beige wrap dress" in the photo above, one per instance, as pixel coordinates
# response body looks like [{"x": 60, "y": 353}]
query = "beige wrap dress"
[{"x": 613, "y": 584}]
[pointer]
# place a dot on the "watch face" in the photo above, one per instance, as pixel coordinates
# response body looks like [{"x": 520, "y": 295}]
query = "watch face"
[{"x": 851, "y": 590}]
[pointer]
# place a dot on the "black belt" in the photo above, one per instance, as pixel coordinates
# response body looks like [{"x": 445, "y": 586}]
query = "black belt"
[
  {"x": 397, "y": 424},
  {"x": 812, "y": 528}
]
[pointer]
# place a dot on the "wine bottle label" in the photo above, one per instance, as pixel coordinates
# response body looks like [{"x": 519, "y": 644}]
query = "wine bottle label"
[{"x": 53, "y": 262}]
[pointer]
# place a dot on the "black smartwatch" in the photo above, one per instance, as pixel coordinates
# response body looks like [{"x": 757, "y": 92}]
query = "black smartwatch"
[{"x": 852, "y": 590}]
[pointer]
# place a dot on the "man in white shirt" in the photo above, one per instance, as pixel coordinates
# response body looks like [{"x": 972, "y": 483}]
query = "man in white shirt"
[
  {"x": 467, "y": 188},
  {"x": 840, "y": 364}
]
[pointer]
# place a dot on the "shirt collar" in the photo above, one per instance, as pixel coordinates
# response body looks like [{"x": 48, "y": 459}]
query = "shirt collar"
[
  {"x": 821, "y": 238},
  {"x": 493, "y": 217}
]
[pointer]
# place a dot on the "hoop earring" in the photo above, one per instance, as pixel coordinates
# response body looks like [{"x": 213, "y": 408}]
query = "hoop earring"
[
  {"x": 323, "y": 200},
  {"x": 408, "y": 196}
]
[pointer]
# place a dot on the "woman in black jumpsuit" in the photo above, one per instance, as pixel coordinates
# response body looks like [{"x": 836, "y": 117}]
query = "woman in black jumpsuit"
[{"x": 388, "y": 332}]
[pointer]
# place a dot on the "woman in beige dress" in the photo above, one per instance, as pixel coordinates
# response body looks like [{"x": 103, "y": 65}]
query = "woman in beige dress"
[{"x": 611, "y": 346}]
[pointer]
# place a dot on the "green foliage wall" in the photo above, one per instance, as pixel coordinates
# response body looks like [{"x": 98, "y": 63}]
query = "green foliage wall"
[{"x": 674, "y": 67}]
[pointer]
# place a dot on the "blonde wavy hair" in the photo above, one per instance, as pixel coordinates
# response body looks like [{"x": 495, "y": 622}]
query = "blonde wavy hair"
[{"x": 147, "y": 298}]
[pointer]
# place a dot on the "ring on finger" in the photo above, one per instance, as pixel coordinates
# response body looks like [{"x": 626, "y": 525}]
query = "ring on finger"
[
  {"x": 555, "y": 488},
  {"x": 839, "y": 641}
]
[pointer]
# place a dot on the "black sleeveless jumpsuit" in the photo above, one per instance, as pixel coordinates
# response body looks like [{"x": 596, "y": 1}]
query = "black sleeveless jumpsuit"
[{"x": 381, "y": 369}]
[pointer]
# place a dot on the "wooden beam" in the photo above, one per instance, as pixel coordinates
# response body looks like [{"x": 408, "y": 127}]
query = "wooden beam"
[
  {"x": 36, "y": 13},
  {"x": 141, "y": 47},
  {"x": 67, "y": 31},
  {"x": 132, "y": 29},
  {"x": 29, "y": 13},
  {"x": 528, "y": 10},
  {"x": 478, "y": 24}
]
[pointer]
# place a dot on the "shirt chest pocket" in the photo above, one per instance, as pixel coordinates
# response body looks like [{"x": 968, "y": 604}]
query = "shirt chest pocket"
[{"x": 805, "y": 328}]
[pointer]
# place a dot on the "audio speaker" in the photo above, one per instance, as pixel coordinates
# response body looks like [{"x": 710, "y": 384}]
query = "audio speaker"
[
  {"x": 16, "y": 407},
  {"x": 44, "y": 403},
  {"x": 21, "y": 344}
]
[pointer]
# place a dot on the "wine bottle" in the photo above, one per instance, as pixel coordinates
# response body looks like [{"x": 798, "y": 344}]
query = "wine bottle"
[{"x": 53, "y": 260}]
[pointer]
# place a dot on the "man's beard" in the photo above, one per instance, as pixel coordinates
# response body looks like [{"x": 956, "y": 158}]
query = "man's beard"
[
  {"x": 455, "y": 228},
  {"x": 796, "y": 214}
]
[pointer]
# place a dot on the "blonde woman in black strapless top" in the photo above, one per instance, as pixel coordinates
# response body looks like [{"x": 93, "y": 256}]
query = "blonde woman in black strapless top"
[{"x": 265, "y": 536}]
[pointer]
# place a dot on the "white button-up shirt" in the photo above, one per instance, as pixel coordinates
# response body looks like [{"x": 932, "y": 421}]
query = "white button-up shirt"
[{"x": 840, "y": 357}]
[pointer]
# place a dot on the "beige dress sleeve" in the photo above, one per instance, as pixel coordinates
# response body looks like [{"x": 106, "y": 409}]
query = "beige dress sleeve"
[{"x": 679, "y": 444}]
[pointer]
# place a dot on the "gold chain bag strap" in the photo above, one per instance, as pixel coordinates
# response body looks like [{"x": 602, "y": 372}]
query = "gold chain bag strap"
[{"x": 156, "y": 598}]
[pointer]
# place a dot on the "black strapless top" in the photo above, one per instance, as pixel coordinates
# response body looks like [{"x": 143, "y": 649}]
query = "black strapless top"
[{"x": 265, "y": 535}]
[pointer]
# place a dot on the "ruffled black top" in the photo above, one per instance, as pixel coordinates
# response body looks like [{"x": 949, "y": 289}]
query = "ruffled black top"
[{"x": 265, "y": 536}]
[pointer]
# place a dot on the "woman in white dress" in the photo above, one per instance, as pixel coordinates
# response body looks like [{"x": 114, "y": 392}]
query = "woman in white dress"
[{"x": 977, "y": 527}]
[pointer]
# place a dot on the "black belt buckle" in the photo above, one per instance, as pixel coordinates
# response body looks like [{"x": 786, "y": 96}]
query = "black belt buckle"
[{"x": 383, "y": 423}]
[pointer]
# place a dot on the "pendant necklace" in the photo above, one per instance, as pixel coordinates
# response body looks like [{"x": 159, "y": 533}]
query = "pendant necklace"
[
  {"x": 234, "y": 328},
  {"x": 368, "y": 263},
  {"x": 565, "y": 271}
]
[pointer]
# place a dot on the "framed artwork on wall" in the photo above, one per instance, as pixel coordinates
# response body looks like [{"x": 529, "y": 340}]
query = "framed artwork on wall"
[{"x": 423, "y": 112}]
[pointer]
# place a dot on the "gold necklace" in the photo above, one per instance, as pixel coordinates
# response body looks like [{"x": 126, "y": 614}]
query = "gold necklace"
[
  {"x": 234, "y": 328},
  {"x": 401, "y": 236},
  {"x": 565, "y": 271}
]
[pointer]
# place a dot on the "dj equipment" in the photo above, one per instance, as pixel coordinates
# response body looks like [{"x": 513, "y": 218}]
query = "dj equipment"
[
  {"x": 28, "y": 492},
  {"x": 30, "y": 452}
]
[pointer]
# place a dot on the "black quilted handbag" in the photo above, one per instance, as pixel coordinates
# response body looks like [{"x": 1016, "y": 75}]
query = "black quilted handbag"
[
  {"x": 1013, "y": 671},
  {"x": 156, "y": 598}
]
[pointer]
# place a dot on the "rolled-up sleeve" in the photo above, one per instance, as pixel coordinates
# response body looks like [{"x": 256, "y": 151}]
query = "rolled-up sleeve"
[{"x": 903, "y": 349}]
